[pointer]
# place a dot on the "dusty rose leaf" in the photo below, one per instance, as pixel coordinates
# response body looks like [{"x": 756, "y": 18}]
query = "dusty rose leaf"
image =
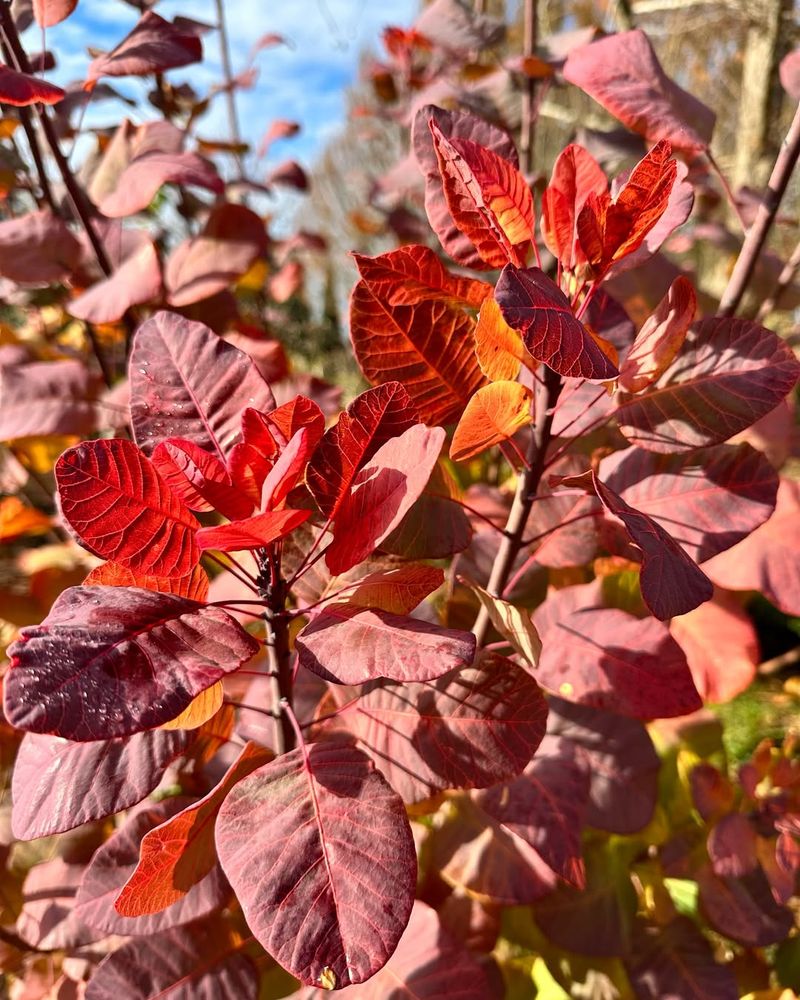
[
  {"x": 729, "y": 373},
  {"x": 351, "y": 644},
  {"x": 59, "y": 784},
  {"x": 139, "y": 183},
  {"x": 48, "y": 919},
  {"x": 115, "y": 501},
  {"x": 186, "y": 382},
  {"x": 622, "y": 73},
  {"x": 535, "y": 306},
  {"x": 47, "y": 397},
  {"x": 37, "y": 247},
  {"x": 115, "y": 861},
  {"x": 136, "y": 281},
  {"x": 153, "y": 46},
  {"x": 86, "y": 673},
  {"x": 382, "y": 493},
  {"x": 467, "y": 730},
  {"x": 608, "y": 659},
  {"x": 661, "y": 337},
  {"x": 318, "y": 839}
]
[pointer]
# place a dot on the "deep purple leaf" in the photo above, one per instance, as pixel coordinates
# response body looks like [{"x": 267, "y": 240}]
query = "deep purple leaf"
[
  {"x": 186, "y": 382},
  {"x": 59, "y": 784},
  {"x": 535, "y": 306},
  {"x": 319, "y": 851},
  {"x": 87, "y": 672},
  {"x": 744, "y": 908},
  {"x": 729, "y": 373},
  {"x": 466, "y": 730}
]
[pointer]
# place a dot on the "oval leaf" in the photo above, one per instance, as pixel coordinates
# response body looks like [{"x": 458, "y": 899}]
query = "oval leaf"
[{"x": 495, "y": 413}]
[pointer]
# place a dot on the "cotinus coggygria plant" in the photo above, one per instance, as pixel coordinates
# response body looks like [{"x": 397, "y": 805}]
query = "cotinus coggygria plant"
[{"x": 342, "y": 679}]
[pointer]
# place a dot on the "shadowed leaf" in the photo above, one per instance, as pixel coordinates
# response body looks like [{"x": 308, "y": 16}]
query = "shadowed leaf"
[
  {"x": 154, "y": 45},
  {"x": 661, "y": 337},
  {"x": 22, "y": 89}
]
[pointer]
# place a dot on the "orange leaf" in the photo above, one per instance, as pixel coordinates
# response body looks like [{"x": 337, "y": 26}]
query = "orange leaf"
[
  {"x": 495, "y": 413},
  {"x": 110, "y": 574},
  {"x": 412, "y": 274},
  {"x": 488, "y": 198},
  {"x": 660, "y": 338},
  {"x": 198, "y": 712},
  {"x": 576, "y": 175},
  {"x": 428, "y": 347},
  {"x": 178, "y": 854},
  {"x": 17, "y": 519},
  {"x": 498, "y": 346}
]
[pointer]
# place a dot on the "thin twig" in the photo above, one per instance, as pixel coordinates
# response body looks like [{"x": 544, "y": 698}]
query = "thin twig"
[
  {"x": 778, "y": 663},
  {"x": 785, "y": 278},
  {"x": 279, "y": 663},
  {"x": 727, "y": 189},
  {"x": 757, "y": 234},
  {"x": 528, "y": 125},
  {"x": 230, "y": 96}
]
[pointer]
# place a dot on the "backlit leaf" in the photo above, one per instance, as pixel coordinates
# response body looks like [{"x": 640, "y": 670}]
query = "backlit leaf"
[
  {"x": 18, "y": 519},
  {"x": 116, "y": 860},
  {"x": 86, "y": 673},
  {"x": 203, "y": 707},
  {"x": 22, "y": 89},
  {"x": 317, "y": 840},
  {"x": 381, "y": 494},
  {"x": 535, "y": 306},
  {"x": 51, "y": 12},
  {"x": 178, "y": 853},
  {"x": 729, "y": 373},
  {"x": 608, "y": 659},
  {"x": 466, "y": 730},
  {"x": 111, "y": 574},
  {"x": 115, "y": 501},
  {"x": 622, "y": 73},
  {"x": 499, "y": 348},
  {"x": 426, "y": 346},
  {"x": 398, "y": 590},
  {"x": 576, "y": 175},
  {"x": 372, "y": 419},
  {"x": 414, "y": 273},
  {"x": 187, "y": 383},
  {"x": 513, "y": 623},
  {"x": 199, "y": 478},
  {"x": 494, "y": 414},
  {"x": 351, "y": 644},
  {"x": 661, "y": 337},
  {"x": 251, "y": 533},
  {"x": 154, "y": 45},
  {"x": 59, "y": 784}
]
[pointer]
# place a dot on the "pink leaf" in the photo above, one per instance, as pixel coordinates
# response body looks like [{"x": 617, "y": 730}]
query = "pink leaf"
[
  {"x": 136, "y": 281},
  {"x": 317, "y": 839},
  {"x": 622, "y": 73},
  {"x": 47, "y": 397},
  {"x": 52, "y": 12},
  {"x": 351, "y": 644},
  {"x": 86, "y": 673},
  {"x": 37, "y": 247},
  {"x": 139, "y": 182}
]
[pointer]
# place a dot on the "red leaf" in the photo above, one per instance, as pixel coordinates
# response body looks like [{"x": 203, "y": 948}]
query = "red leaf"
[
  {"x": 372, "y": 419},
  {"x": 608, "y": 230},
  {"x": 287, "y": 471},
  {"x": 671, "y": 582},
  {"x": 766, "y": 561},
  {"x": 397, "y": 590},
  {"x": 201, "y": 962},
  {"x": 51, "y": 12},
  {"x": 248, "y": 468},
  {"x": 707, "y": 500},
  {"x": 115, "y": 861},
  {"x": 59, "y": 785},
  {"x": 412, "y": 274},
  {"x": 199, "y": 479},
  {"x": 622, "y": 73},
  {"x": 175, "y": 855},
  {"x": 114, "y": 499},
  {"x": 286, "y": 420},
  {"x": 623, "y": 764},
  {"x": 47, "y": 397},
  {"x": 317, "y": 839},
  {"x": 427, "y": 347},
  {"x": 453, "y": 124},
  {"x": 154, "y": 45},
  {"x": 37, "y": 247},
  {"x": 487, "y": 198},
  {"x": 428, "y": 964},
  {"x": 661, "y": 337},
  {"x": 253, "y": 532},
  {"x": 86, "y": 673},
  {"x": 112, "y": 574},
  {"x": 381, "y": 494},
  {"x": 545, "y": 806},
  {"x": 203, "y": 265},
  {"x": 187, "y": 383},
  {"x": 676, "y": 960},
  {"x": 608, "y": 659},
  {"x": 351, "y": 644},
  {"x": 466, "y": 730},
  {"x": 576, "y": 175},
  {"x": 135, "y": 281},
  {"x": 140, "y": 181},
  {"x": 22, "y": 89},
  {"x": 729, "y": 373},
  {"x": 535, "y": 306}
]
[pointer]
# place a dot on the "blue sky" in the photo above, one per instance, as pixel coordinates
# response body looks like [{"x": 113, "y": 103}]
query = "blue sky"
[{"x": 304, "y": 83}]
